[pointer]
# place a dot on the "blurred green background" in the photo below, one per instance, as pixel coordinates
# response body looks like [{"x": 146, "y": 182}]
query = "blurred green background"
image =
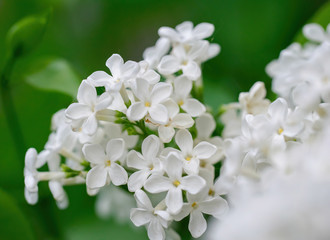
[{"x": 85, "y": 33}]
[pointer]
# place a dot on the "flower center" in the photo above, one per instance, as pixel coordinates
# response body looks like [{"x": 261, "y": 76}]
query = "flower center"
[
  {"x": 184, "y": 63},
  {"x": 181, "y": 102},
  {"x": 194, "y": 205},
  {"x": 211, "y": 192},
  {"x": 188, "y": 157},
  {"x": 147, "y": 104},
  {"x": 176, "y": 183},
  {"x": 108, "y": 163},
  {"x": 280, "y": 130}
]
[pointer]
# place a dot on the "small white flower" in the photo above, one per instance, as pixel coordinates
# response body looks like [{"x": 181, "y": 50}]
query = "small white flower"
[
  {"x": 121, "y": 73},
  {"x": 182, "y": 89},
  {"x": 174, "y": 183},
  {"x": 146, "y": 214},
  {"x": 147, "y": 163},
  {"x": 104, "y": 167},
  {"x": 59, "y": 194},
  {"x": 196, "y": 206},
  {"x": 187, "y": 61},
  {"x": 254, "y": 102},
  {"x": 176, "y": 120},
  {"x": 152, "y": 55},
  {"x": 150, "y": 101},
  {"x": 205, "y": 125},
  {"x": 186, "y": 32},
  {"x": 89, "y": 104},
  {"x": 191, "y": 155},
  {"x": 316, "y": 33},
  {"x": 31, "y": 176}
]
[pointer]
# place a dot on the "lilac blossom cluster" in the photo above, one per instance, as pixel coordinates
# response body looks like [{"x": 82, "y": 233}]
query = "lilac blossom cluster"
[{"x": 142, "y": 127}]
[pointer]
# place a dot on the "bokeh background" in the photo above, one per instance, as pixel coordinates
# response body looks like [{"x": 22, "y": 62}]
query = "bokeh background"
[{"x": 85, "y": 33}]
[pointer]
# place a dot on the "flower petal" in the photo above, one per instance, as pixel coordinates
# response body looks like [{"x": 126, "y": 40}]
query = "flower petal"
[
  {"x": 204, "y": 150},
  {"x": 137, "y": 180},
  {"x": 174, "y": 200},
  {"x": 205, "y": 126},
  {"x": 192, "y": 70},
  {"x": 137, "y": 111},
  {"x": 168, "y": 65},
  {"x": 86, "y": 94},
  {"x": 156, "y": 231},
  {"x": 150, "y": 147},
  {"x": 182, "y": 120},
  {"x": 182, "y": 86},
  {"x": 96, "y": 177},
  {"x": 115, "y": 149},
  {"x": 193, "y": 107},
  {"x": 166, "y": 133},
  {"x": 173, "y": 167},
  {"x": 157, "y": 184},
  {"x": 90, "y": 125},
  {"x": 185, "y": 211},
  {"x": 197, "y": 224},
  {"x": 143, "y": 200},
  {"x": 158, "y": 113},
  {"x": 140, "y": 217},
  {"x": 78, "y": 111},
  {"x": 160, "y": 92},
  {"x": 203, "y": 30},
  {"x": 136, "y": 160},
  {"x": 192, "y": 184},
  {"x": 118, "y": 175},
  {"x": 184, "y": 140},
  {"x": 94, "y": 153},
  {"x": 114, "y": 63},
  {"x": 216, "y": 206}
]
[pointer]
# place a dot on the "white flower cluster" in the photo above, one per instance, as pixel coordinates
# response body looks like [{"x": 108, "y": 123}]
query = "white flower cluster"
[
  {"x": 144, "y": 127},
  {"x": 276, "y": 168},
  {"x": 141, "y": 126}
]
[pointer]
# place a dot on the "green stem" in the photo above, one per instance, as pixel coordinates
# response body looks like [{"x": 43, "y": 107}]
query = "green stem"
[{"x": 9, "y": 109}]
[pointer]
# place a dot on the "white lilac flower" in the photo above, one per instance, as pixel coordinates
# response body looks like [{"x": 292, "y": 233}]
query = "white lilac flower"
[
  {"x": 254, "y": 102},
  {"x": 150, "y": 101},
  {"x": 145, "y": 214},
  {"x": 146, "y": 163},
  {"x": 148, "y": 74},
  {"x": 59, "y": 194},
  {"x": 56, "y": 186},
  {"x": 283, "y": 121},
  {"x": 187, "y": 61},
  {"x": 104, "y": 167},
  {"x": 31, "y": 176},
  {"x": 186, "y": 32},
  {"x": 205, "y": 126},
  {"x": 174, "y": 183},
  {"x": 181, "y": 94},
  {"x": 197, "y": 205},
  {"x": 176, "y": 120},
  {"x": 316, "y": 33},
  {"x": 89, "y": 104},
  {"x": 191, "y": 156},
  {"x": 152, "y": 55},
  {"x": 121, "y": 73},
  {"x": 112, "y": 131}
]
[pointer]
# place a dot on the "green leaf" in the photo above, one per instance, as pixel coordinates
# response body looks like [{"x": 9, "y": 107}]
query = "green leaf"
[
  {"x": 54, "y": 75},
  {"x": 26, "y": 34},
  {"x": 13, "y": 225},
  {"x": 322, "y": 17}
]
